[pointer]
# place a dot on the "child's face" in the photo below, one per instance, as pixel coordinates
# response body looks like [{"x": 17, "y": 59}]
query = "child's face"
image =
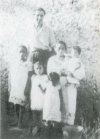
[
  {"x": 60, "y": 50},
  {"x": 23, "y": 54},
  {"x": 38, "y": 69}
]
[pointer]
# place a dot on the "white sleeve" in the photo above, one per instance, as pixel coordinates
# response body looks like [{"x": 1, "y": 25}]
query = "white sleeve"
[
  {"x": 80, "y": 73},
  {"x": 51, "y": 39}
]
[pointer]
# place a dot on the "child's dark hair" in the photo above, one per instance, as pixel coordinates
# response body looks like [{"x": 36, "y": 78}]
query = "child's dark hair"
[
  {"x": 54, "y": 77},
  {"x": 41, "y": 9},
  {"x": 78, "y": 49},
  {"x": 39, "y": 63},
  {"x": 63, "y": 43}
]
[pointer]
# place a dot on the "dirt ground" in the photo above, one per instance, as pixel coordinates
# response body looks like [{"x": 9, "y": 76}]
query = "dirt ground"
[{"x": 15, "y": 134}]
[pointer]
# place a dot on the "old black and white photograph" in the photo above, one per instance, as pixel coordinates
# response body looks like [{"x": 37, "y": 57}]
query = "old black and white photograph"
[{"x": 50, "y": 69}]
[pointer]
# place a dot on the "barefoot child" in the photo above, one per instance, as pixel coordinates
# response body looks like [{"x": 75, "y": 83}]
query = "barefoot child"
[
  {"x": 37, "y": 96},
  {"x": 18, "y": 77},
  {"x": 51, "y": 108}
]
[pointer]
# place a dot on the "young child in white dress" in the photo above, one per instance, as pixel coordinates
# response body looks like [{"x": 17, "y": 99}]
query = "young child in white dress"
[
  {"x": 51, "y": 107},
  {"x": 38, "y": 83},
  {"x": 18, "y": 74}
]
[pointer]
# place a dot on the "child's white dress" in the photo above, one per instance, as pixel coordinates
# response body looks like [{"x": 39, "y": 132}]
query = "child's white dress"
[
  {"x": 51, "y": 108},
  {"x": 18, "y": 78},
  {"x": 37, "y": 95}
]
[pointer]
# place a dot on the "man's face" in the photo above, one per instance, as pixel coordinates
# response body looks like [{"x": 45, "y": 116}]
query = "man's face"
[{"x": 39, "y": 15}]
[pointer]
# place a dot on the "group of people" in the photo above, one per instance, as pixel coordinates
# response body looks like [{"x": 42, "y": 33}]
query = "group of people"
[{"x": 47, "y": 84}]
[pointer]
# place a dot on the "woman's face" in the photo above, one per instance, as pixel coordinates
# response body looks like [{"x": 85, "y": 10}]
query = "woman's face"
[
  {"x": 70, "y": 51},
  {"x": 60, "y": 50}
]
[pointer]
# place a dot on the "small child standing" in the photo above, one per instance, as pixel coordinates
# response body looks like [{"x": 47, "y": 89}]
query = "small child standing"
[
  {"x": 18, "y": 74},
  {"x": 51, "y": 108},
  {"x": 38, "y": 82}
]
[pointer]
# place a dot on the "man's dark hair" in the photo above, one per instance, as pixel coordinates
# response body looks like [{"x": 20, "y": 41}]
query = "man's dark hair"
[{"x": 41, "y": 9}]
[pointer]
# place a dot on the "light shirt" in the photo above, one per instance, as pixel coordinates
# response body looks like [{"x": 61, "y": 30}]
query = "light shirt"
[{"x": 43, "y": 38}]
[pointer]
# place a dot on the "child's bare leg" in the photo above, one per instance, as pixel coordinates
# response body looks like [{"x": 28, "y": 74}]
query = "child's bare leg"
[
  {"x": 21, "y": 113},
  {"x": 39, "y": 119},
  {"x": 17, "y": 107},
  {"x": 36, "y": 122}
]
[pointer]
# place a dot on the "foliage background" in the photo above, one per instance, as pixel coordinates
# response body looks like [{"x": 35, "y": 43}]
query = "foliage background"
[{"x": 77, "y": 22}]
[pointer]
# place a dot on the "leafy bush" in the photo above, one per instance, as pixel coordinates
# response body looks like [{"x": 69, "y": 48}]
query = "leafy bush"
[{"x": 88, "y": 107}]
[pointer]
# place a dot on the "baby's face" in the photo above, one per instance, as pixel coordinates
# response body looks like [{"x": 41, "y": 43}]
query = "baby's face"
[
  {"x": 76, "y": 54},
  {"x": 23, "y": 54},
  {"x": 38, "y": 69},
  {"x": 60, "y": 50}
]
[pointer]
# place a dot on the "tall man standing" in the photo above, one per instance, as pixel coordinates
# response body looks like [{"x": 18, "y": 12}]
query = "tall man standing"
[{"x": 43, "y": 38}]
